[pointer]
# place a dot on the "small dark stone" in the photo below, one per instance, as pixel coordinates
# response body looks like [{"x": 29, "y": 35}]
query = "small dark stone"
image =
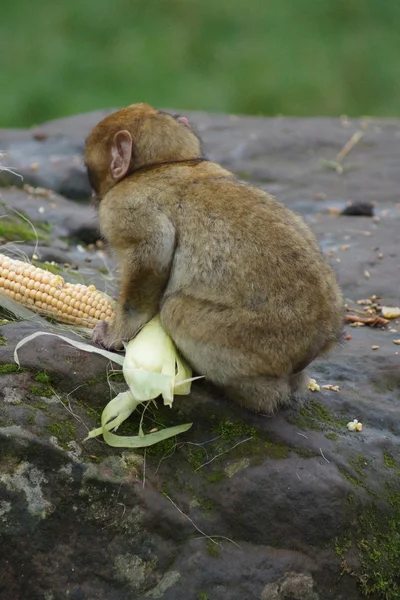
[
  {"x": 39, "y": 136},
  {"x": 359, "y": 209}
]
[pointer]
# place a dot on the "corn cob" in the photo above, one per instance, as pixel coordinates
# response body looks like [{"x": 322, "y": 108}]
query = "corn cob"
[{"x": 50, "y": 296}]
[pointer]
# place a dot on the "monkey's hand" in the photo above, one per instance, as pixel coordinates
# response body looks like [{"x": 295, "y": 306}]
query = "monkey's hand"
[{"x": 102, "y": 336}]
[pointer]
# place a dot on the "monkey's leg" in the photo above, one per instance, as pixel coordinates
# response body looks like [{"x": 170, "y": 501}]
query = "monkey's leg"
[
  {"x": 205, "y": 339},
  {"x": 266, "y": 394},
  {"x": 297, "y": 384},
  {"x": 260, "y": 394}
]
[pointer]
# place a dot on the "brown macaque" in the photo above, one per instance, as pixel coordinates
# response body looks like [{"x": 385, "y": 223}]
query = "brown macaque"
[{"x": 238, "y": 279}]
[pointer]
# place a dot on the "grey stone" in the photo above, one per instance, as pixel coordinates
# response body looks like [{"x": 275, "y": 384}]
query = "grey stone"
[{"x": 296, "y": 512}]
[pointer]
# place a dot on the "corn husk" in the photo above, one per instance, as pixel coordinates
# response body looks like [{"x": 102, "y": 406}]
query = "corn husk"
[{"x": 152, "y": 367}]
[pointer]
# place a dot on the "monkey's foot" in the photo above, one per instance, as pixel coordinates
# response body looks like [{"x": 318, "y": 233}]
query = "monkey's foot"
[{"x": 101, "y": 337}]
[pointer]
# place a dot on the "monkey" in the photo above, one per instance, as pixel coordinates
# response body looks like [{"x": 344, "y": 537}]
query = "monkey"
[{"x": 238, "y": 279}]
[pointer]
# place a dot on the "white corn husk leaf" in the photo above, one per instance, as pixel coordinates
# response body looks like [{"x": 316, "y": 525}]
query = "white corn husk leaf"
[
  {"x": 117, "y": 358},
  {"x": 151, "y": 367},
  {"x": 117, "y": 411}
]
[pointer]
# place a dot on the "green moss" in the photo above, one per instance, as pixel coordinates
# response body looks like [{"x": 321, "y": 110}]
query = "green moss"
[
  {"x": 93, "y": 459},
  {"x": 389, "y": 461},
  {"x": 93, "y": 412},
  {"x": 305, "y": 452},
  {"x": 238, "y": 442},
  {"x": 350, "y": 499},
  {"x": 378, "y": 541},
  {"x": 237, "y": 466},
  {"x": 229, "y": 431},
  {"x": 45, "y": 392},
  {"x": 12, "y": 230},
  {"x": 350, "y": 478},
  {"x": 315, "y": 416},
  {"x": 10, "y": 368},
  {"x": 160, "y": 450},
  {"x": 47, "y": 227},
  {"x": 40, "y": 406},
  {"x": 165, "y": 490},
  {"x": 196, "y": 457},
  {"x": 359, "y": 464},
  {"x": 117, "y": 376},
  {"x": 374, "y": 534},
  {"x": 228, "y": 446},
  {"x": 30, "y": 419},
  {"x": 212, "y": 549},
  {"x": 215, "y": 477},
  {"x": 205, "y": 504},
  {"x": 332, "y": 436},
  {"x": 276, "y": 450},
  {"x": 318, "y": 411},
  {"x": 42, "y": 377},
  {"x": 4, "y": 322},
  {"x": 3, "y": 341},
  {"x": 64, "y": 431},
  {"x": 202, "y": 596},
  {"x": 342, "y": 544}
]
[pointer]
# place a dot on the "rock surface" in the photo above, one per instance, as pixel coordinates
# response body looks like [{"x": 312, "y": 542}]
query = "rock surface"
[{"x": 293, "y": 507}]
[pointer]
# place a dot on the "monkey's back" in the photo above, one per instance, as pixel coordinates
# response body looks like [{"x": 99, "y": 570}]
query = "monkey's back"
[{"x": 243, "y": 252}]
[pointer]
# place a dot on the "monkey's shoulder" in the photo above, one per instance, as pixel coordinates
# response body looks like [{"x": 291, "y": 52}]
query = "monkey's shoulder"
[{"x": 127, "y": 216}]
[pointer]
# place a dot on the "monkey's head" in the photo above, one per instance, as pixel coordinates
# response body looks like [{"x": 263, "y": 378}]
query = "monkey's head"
[{"x": 134, "y": 137}]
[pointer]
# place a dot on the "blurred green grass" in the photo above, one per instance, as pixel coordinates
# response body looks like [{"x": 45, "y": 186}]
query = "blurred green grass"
[{"x": 294, "y": 57}]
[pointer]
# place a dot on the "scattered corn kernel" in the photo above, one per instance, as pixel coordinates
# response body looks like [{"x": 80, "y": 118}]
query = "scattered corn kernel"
[
  {"x": 313, "y": 386},
  {"x": 354, "y": 426},
  {"x": 331, "y": 388},
  {"x": 391, "y": 312}
]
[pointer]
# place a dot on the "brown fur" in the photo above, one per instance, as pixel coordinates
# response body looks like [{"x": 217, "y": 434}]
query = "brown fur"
[{"x": 238, "y": 279}]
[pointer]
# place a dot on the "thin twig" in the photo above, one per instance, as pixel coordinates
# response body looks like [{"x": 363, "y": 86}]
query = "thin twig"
[
  {"x": 358, "y": 311},
  {"x": 8, "y": 170},
  {"x": 347, "y": 148},
  {"x": 200, "y": 443},
  {"x": 179, "y": 445},
  {"x": 68, "y": 407},
  {"x": 323, "y": 456},
  {"x": 144, "y": 468},
  {"x": 211, "y": 538},
  {"x": 145, "y": 407},
  {"x": 166, "y": 455},
  {"x": 225, "y": 451},
  {"x": 21, "y": 216},
  {"x": 302, "y": 434},
  {"x": 373, "y": 321},
  {"x": 9, "y": 246}
]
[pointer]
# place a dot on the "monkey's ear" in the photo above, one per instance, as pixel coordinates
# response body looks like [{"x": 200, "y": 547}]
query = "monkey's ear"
[
  {"x": 121, "y": 153},
  {"x": 184, "y": 121}
]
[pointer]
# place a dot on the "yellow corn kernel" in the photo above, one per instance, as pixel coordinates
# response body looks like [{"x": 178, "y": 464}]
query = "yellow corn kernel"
[{"x": 50, "y": 296}]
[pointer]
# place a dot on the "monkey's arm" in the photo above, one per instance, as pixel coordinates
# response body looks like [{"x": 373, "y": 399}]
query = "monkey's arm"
[{"x": 145, "y": 266}]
